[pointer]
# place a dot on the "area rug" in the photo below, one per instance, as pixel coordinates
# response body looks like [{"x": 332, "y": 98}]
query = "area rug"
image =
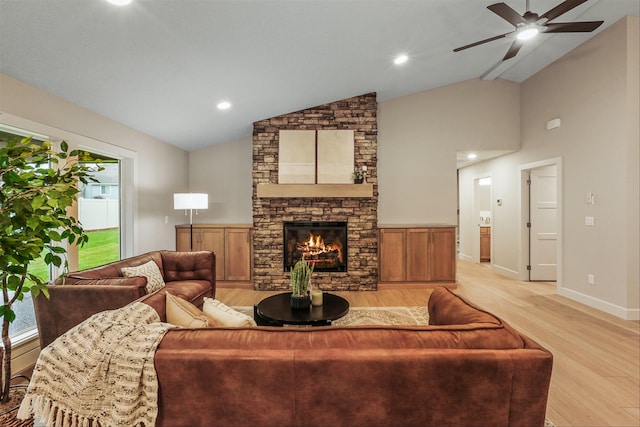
[
  {"x": 9, "y": 410},
  {"x": 395, "y": 316},
  {"x": 360, "y": 316}
]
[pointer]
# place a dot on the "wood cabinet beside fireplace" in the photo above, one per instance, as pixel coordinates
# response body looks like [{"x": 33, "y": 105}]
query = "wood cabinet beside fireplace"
[
  {"x": 230, "y": 242},
  {"x": 417, "y": 254}
]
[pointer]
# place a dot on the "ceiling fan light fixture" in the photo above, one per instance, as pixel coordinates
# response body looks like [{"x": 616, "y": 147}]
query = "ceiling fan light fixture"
[
  {"x": 400, "y": 59},
  {"x": 530, "y": 24},
  {"x": 528, "y": 32},
  {"x": 119, "y": 2}
]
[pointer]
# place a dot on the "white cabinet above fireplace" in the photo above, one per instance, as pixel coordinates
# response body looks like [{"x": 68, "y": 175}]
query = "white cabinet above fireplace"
[{"x": 266, "y": 190}]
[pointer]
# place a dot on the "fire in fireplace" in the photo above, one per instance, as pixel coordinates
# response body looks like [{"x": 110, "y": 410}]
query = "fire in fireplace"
[{"x": 323, "y": 244}]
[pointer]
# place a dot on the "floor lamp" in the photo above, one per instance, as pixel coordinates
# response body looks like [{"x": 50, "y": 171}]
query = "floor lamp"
[{"x": 190, "y": 201}]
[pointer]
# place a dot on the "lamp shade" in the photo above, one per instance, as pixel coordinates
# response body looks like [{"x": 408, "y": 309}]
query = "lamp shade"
[{"x": 190, "y": 201}]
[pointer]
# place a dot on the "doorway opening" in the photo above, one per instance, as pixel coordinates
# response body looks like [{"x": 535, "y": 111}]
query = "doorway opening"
[{"x": 483, "y": 219}]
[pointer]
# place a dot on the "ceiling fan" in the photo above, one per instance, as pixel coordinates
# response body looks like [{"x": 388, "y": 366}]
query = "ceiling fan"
[{"x": 530, "y": 24}]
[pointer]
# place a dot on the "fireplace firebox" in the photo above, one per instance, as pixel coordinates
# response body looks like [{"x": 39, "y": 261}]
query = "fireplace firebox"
[{"x": 323, "y": 244}]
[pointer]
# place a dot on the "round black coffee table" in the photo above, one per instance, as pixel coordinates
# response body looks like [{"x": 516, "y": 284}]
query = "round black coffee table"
[{"x": 276, "y": 311}]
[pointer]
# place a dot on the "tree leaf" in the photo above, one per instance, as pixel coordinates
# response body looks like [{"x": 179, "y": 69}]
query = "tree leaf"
[
  {"x": 54, "y": 235},
  {"x": 37, "y": 202},
  {"x": 33, "y": 222},
  {"x": 7, "y": 313}
]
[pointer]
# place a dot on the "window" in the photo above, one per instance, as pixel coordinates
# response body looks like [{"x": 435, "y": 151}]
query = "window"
[
  {"x": 25, "y": 320},
  {"x": 99, "y": 214},
  {"x": 107, "y": 243}
]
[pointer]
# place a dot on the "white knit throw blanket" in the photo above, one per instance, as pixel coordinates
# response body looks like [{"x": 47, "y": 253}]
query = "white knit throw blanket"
[{"x": 99, "y": 373}]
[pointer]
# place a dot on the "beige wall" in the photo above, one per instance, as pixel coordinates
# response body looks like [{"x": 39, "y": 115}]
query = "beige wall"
[
  {"x": 633, "y": 158},
  {"x": 419, "y": 134},
  {"x": 594, "y": 91},
  {"x": 160, "y": 168},
  {"x": 224, "y": 172}
]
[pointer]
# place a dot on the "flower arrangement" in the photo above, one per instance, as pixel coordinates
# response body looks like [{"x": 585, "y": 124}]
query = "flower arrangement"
[{"x": 358, "y": 174}]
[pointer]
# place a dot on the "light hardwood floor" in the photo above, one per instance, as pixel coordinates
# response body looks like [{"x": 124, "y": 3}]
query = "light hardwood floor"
[{"x": 596, "y": 371}]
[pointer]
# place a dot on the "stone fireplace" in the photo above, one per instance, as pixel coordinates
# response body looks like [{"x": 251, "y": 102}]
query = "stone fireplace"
[{"x": 304, "y": 204}]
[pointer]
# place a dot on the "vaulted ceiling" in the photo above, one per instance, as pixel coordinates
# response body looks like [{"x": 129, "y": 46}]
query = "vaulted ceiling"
[{"x": 162, "y": 66}]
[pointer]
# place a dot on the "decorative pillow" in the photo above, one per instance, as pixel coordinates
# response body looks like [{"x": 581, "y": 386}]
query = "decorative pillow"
[
  {"x": 183, "y": 313},
  {"x": 149, "y": 270},
  {"x": 225, "y": 315}
]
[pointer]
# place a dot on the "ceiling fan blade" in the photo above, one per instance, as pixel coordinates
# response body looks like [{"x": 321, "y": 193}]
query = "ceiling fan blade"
[
  {"x": 507, "y": 13},
  {"x": 562, "y": 8},
  {"x": 513, "y": 49},
  {"x": 572, "y": 27},
  {"x": 458, "y": 49}
]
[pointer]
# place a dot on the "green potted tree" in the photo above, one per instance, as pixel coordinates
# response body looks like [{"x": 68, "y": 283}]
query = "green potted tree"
[
  {"x": 300, "y": 282},
  {"x": 37, "y": 185}
]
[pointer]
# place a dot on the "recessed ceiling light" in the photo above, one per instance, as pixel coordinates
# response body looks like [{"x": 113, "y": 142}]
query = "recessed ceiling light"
[
  {"x": 471, "y": 156},
  {"x": 119, "y": 2},
  {"x": 224, "y": 105},
  {"x": 400, "y": 59}
]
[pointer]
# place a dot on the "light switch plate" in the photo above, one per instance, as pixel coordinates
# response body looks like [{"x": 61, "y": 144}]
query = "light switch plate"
[{"x": 589, "y": 221}]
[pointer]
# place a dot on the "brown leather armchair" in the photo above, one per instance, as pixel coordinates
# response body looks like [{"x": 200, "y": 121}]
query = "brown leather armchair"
[{"x": 190, "y": 275}]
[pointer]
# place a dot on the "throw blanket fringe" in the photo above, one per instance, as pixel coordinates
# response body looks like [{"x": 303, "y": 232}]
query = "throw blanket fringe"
[
  {"x": 99, "y": 373},
  {"x": 50, "y": 412}
]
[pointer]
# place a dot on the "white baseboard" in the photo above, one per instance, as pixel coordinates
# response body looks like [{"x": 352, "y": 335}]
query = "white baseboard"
[
  {"x": 24, "y": 354},
  {"x": 512, "y": 274},
  {"x": 465, "y": 257},
  {"x": 607, "y": 307}
]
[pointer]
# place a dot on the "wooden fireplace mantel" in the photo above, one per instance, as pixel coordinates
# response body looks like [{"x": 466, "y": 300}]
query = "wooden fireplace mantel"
[{"x": 266, "y": 190}]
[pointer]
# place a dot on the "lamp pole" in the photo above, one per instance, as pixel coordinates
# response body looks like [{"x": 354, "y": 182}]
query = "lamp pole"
[{"x": 190, "y": 201}]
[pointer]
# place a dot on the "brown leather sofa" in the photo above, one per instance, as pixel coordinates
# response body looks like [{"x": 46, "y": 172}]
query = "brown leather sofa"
[
  {"x": 467, "y": 368},
  {"x": 189, "y": 275}
]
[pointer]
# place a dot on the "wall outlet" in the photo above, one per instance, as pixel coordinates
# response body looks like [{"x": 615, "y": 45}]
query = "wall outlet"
[
  {"x": 589, "y": 221},
  {"x": 591, "y": 279}
]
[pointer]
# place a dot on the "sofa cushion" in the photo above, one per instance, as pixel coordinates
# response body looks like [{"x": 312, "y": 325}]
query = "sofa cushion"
[
  {"x": 183, "y": 313},
  {"x": 225, "y": 315},
  {"x": 149, "y": 270},
  {"x": 182, "y": 266},
  {"x": 113, "y": 269},
  {"x": 193, "y": 291}
]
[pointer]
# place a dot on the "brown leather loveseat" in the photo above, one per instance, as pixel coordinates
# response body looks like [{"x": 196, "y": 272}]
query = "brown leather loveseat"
[
  {"x": 467, "y": 368},
  {"x": 189, "y": 275}
]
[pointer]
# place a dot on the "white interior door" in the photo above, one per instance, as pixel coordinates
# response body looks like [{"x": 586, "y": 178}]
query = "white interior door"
[{"x": 543, "y": 234}]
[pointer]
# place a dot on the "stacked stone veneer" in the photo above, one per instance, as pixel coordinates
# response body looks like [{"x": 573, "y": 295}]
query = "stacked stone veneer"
[{"x": 358, "y": 114}]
